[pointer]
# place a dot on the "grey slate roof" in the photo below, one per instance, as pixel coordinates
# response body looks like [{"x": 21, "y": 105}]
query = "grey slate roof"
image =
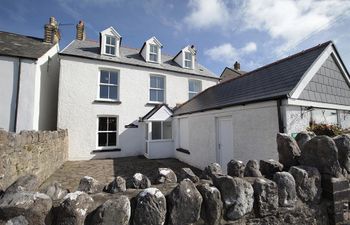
[
  {"x": 91, "y": 49},
  {"x": 273, "y": 81},
  {"x": 22, "y": 46}
]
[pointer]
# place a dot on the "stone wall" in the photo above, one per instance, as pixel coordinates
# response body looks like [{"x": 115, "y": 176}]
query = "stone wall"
[{"x": 31, "y": 152}]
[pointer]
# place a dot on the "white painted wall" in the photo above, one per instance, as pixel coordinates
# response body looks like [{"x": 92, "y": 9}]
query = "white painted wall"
[
  {"x": 254, "y": 133},
  {"x": 344, "y": 117},
  {"x": 160, "y": 149},
  {"x": 78, "y": 112},
  {"x": 295, "y": 118}
]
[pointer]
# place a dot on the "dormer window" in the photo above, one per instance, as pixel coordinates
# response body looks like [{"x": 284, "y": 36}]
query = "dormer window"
[
  {"x": 188, "y": 60},
  {"x": 153, "y": 53},
  {"x": 110, "y": 42},
  {"x": 110, "y": 45}
]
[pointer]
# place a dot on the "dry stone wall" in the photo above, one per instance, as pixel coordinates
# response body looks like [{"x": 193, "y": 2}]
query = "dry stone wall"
[{"x": 31, "y": 152}]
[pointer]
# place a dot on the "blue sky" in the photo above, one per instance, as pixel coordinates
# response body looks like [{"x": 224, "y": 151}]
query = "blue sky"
[{"x": 253, "y": 32}]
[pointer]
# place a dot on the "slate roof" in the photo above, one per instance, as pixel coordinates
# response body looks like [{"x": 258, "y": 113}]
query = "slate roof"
[
  {"x": 131, "y": 56},
  {"x": 154, "y": 110},
  {"x": 273, "y": 81},
  {"x": 18, "y": 45}
]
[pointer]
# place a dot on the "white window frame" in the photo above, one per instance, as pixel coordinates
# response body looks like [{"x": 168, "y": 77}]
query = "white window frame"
[
  {"x": 188, "y": 60},
  {"x": 112, "y": 85},
  {"x": 194, "y": 92},
  {"x": 161, "y": 131},
  {"x": 110, "y": 45},
  {"x": 153, "y": 53},
  {"x": 158, "y": 89},
  {"x": 116, "y": 131}
]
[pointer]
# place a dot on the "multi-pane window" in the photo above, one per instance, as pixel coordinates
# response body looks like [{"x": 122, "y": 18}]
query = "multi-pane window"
[
  {"x": 153, "y": 53},
  {"x": 188, "y": 60},
  {"x": 157, "y": 88},
  {"x": 161, "y": 130},
  {"x": 194, "y": 87},
  {"x": 109, "y": 85},
  {"x": 107, "y": 131},
  {"x": 110, "y": 45}
]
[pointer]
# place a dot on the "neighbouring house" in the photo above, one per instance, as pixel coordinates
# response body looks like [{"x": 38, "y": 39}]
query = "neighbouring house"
[
  {"x": 29, "y": 80},
  {"x": 117, "y": 101},
  {"x": 239, "y": 118},
  {"x": 229, "y": 73}
]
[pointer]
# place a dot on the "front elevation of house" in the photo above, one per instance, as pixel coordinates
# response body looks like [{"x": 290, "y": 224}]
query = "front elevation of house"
[{"x": 106, "y": 92}]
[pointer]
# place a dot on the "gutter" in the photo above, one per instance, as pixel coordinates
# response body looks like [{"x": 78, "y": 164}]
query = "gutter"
[{"x": 17, "y": 94}]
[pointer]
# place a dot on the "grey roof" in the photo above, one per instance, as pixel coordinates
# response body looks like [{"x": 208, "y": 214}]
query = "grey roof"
[
  {"x": 18, "y": 45},
  {"x": 91, "y": 49},
  {"x": 273, "y": 81}
]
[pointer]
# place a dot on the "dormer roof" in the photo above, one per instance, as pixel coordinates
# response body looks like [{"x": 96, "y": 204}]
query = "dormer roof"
[
  {"x": 111, "y": 31},
  {"x": 156, "y": 41}
]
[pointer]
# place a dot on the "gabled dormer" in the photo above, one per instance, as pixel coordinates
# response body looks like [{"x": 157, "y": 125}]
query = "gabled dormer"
[
  {"x": 151, "y": 50},
  {"x": 110, "y": 41},
  {"x": 186, "y": 58}
]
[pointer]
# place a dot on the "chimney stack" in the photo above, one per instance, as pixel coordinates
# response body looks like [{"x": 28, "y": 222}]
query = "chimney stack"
[
  {"x": 52, "y": 34},
  {"x": 80, "y": 32},
  {"x": 237, "y": 66}
]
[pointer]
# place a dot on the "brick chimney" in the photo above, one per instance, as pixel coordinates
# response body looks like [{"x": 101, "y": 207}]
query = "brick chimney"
[
  {"x": 237, "y": 66},
  {"x": 52, "y": 34},
  {"x": 80, "y": 32}
]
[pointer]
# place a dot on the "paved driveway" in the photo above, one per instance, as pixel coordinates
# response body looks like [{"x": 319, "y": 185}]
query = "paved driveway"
[{"x": 105, "y": 170}]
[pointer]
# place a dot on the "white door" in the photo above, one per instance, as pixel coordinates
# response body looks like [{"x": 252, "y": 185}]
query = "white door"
[{"x": 224, "y": 141}]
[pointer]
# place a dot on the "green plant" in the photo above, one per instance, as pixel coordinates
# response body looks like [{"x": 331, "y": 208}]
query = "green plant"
[{"x": 330, "y": 130}]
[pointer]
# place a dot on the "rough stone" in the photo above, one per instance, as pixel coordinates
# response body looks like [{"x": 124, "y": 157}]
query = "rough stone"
[
  {"x": 113, "y": 212},
  {"x": 235, "y": 168},
  {"x": 166, "y": 175},
  {"x": 212, "y": 205},
  {"x": 19, "y": 220},
  {"x": 237, "y": 195},
  {"x": 321, "y": 152},
  {"x": 73, "y": 209},
  {"x": 140, "y": 181},
  {"x": 265, "y": 197},
  {"x": 252, "y": 169},
  {"x": 55, "y": 191},
  {"x": 343, "y": 144},
  {"x": 304, "y": 137},
  {"x": 150, "y": 207},
  {"x": 211, "y": 170},
  {"x": 117, "y": 185},
  {"x": 184, "y": 204},
  {"x": 187, "y": 173},
  {"x": 35, "y": 207},
  {"x": 286, "y": 189},
  {"x": 288, "y": 150},
  {"x": 89, "y": 185},
  {"x": 269, "y": 167},
  {"x": 308, "y": 183},
  {"x": 27, "y": 183}
]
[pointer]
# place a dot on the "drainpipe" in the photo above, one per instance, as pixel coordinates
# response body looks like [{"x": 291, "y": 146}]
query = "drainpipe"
[
  {"x": 17, "y": 94},
  {"x": 280, "y": 119}
]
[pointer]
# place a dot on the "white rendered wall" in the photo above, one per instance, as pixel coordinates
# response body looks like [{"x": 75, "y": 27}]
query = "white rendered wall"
[
  {"x": 296, "y": 118},
  {"x": 78, "y": 111},
  {"x": 160, "y": 149},
  {"x": 254, "y": 133}
]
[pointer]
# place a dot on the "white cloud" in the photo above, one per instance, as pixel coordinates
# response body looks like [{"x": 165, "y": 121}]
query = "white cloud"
[
  {"x": 249, "y": 48},
  {"x": 207, "y": 13}
]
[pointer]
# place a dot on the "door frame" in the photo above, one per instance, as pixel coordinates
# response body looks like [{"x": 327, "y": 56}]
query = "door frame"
[{"x": 217, "y": 134}]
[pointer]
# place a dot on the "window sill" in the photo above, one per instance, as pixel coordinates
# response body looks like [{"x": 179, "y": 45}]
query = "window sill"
[
  {"x": 160, "y": 140},
  {"x": 106, "y": 150},
  {"x": 154, "y": 103},
  {"x": 183, "y": 151},
  {"x": 107, "y": 101}
]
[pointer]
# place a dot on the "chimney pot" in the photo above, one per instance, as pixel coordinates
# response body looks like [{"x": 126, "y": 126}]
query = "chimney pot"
[{"x": 237, "y": 66}]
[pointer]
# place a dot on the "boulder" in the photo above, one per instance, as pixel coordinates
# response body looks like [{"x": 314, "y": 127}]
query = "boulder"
[
  {"x": 212, "y": 205},
  {"x": 34, "y": 206},
  {"x": 286, "y": 189},
  {"x": 150, "y": 207},
  {"x": 27, "y": 183},
  {"x": 187, "y": 173},
  {"x": 140, "y": 181},
  {"x": 237, "y": 195},
  {"x": 166, "y": 175},
  {"x": 288, "y": 150},
  {"x": 117, "y": 185},
  {"x": 19, "y": 220},
  {"x": 235, "y": 168},
  {"x": 252, "y": 169},
  {"x": 308, "y": 183},
  {"x": 184, "y": 204},
  {"x": 73, "y": 209},
  {"x": 116, "y": 211},
  {"x": 304, "y": 137},
  {"x": 210, "y": 170},
  {"x": 265, "y": 197},
  {"x": 343, "y": 144},
  {"x": 269, "y": 167},
  {"x": 89, "y": 185},
  {"x": 55, "y": 191},
  {"x": 321, "y": 152}
]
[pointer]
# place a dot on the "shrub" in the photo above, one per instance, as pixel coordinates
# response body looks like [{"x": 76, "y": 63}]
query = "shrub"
[{"x": 330, "y": 130}]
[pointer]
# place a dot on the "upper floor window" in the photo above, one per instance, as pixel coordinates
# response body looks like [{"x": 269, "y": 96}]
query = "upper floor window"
[
  {"x": 110, "y": 45},
  {"x": 153, "y": 53},
  {"x": 157, "y": 88},
  {"x": 188, "y": 60},
  {"x": 194, "y": 87},
  {"x": 108, "y": 85}
]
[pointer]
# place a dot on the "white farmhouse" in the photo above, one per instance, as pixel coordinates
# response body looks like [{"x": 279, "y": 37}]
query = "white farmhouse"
[
  {"x": 239, "y": 118},
  {"x": 117, "y": 101},
  {"x": 29, "y": 69}
]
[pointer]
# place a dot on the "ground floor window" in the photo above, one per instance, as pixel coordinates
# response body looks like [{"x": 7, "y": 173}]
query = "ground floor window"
[
  {"x": 161, "y": 130},
  {"x": 107, "y": 131}
]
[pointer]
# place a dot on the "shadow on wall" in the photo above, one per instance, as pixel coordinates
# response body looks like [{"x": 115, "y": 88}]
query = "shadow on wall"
[{"x": 14, "y": 97}]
